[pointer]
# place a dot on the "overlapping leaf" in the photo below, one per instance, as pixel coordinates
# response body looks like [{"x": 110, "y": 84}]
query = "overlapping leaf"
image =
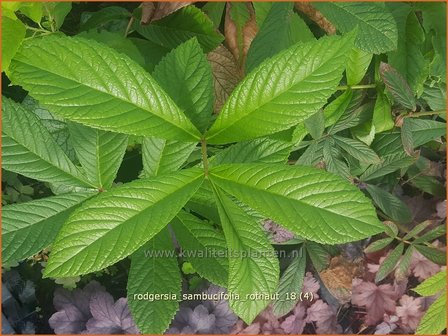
[
  {"x": 253, "y": 266},
  {"x": 186, "y": 76},
  {"x": 154, "y": 270},
  {"x": 29, "y": 149},
  {"x": 91, "y": 84},
  {"x": 99, "y": 152},
  {"x": 377, "y": 27},
  {"x": 181, "y": 26},
  {"x": 203, "y": 246},
  {"x": 297, "y": 88},
  {"x": 312, "y": 203},
  {"x": 164, "y": 156},
  {"x": 125, "y": 217},
  {"x": 257, "y": 150},
  {"x": 29, "y": 227}
]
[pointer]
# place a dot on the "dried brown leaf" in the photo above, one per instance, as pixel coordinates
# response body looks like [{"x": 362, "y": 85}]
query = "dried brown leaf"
[
  {"x": 316, "y": 16},
  {"x": 153, "y": 11},
  {"x": 226, "y": 74},
  {"x": 238, "y": 40}
]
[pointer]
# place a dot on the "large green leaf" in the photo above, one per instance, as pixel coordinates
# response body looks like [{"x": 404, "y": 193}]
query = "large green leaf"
[
  {"x": 357, "y": 149},
  {"x": 154, "y": 271},
  {"x": 124, "y": 218},
  {"x": 203, "y": 246},
  {"x": 312, "y": 203},
  {"x": 391, "y": 205},
  {"x": 253, "y": 266},
  {"x": 434, "y": 320},
  {"x": 397, "y": 86},
  {"x": 382, "y": 114},
  {"x": 377, "y": 27},
  {"x": 164, "y": 156},
  {"x": 30, "y": 150},
  {"x": 257, "y": 150},
  {"x": 29, "y": 227},
  {"x": 13, "y": 32},
  {"x": 274, "y": 37},
  {"x": 291, "y": 283},
  {"x": 408, "y": 58},
  {"x": 186, "y": 76},
  {"x": 357, "y": 65},
  {"x": 389, "y": 164},
  {"x": 89, "y": 83},
  {"x": 282, "y": 91},
  {"x": 99, "y": 152},
  {"x": 432, "y": 285},
  {"x": 181, "y": 26}
]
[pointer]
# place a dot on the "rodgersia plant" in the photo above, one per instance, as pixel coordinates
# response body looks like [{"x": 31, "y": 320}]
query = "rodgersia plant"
[{"x": 103, "y": 96}]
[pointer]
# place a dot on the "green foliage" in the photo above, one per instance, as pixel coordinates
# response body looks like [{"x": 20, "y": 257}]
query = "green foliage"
[
  {"x": 377, "y": 29},
  {"x": 313, "y": 135},
  {"x": 434, "y": 320}
]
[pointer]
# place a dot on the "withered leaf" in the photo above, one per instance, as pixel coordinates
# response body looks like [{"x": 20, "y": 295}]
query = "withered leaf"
[{"x": 226, "y": 74}]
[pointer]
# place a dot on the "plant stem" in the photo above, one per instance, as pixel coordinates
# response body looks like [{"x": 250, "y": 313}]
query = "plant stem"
[
  {"x": 424, "y": 113},
  {"x": 356, "y": 87},
  {"x": 128, "y": 28},
  {"x": 204, "y": 156}
]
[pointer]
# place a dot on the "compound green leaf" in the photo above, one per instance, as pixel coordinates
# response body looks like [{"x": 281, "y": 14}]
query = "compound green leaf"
[
  {"x": 378, "y": 245},
  {"x": 258, "y": 150},
  {"x": 30, "y": 150},
  {"x": 432, "y": 285},
  {"x": 357, "y": 64},
  {"x": 124, "y": 218},
  {"x": 408, "y": 58},
  {"x": 274, "y": 37},
  {"x": 253, "y": 266},
  {"x": 104, "y": 16},
  {"x": 89, "y": 83},
  {"x": 315, "y": 125},
  {"x": 389, "y": 263},
  {"x": 434, "y": 254},
  {"x": 424, "y": 130},
  {"x": 312, "y": 203},
  {"x": 13, "y": 32},
  {"x": 357, "y": 149},
  {"x": 382, "y": 114},
  {"x": 377, "y": 28},
  {"x": 391, "y": 205},
  {"x": 434, "y": 320},
  {"x": 203, "y": 246},
  {"x": 29, "y": 227},
  {"x": 186, "y": 76},
  {"x": 389, "y": 164},
  {"x": 181, "y": 26},
  {"x": 164, "y": 156},
  {"x": 99, "y": 152},
  {"x": 154, "y": 271},
  {"x": 397, "y": 86},
  {"x": 283, "y": 91},
  {"x": 318, "y": 255},
  {"x": 290, "y": 283},
  {"x": 332, "y": 163}
]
